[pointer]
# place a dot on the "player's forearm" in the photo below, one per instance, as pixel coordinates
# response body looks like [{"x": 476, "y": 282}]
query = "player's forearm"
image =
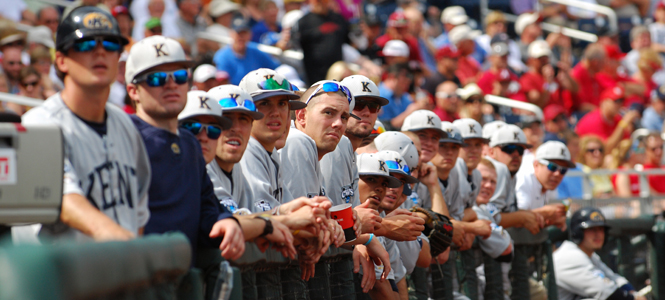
[
  {"x": 469, "y": 215},
  {"x": 78, "y": 213},
  {"x": 251, "y": 226},
  {"x": 438, "y": 202},
  {"x": 424, "y": 257},
  {"x": 511, "y": 220}
]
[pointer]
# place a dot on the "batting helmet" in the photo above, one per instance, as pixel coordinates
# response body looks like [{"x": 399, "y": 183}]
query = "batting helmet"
[
  {"x": 84, "y": 22},
  {"x": 586, "y": 217}
]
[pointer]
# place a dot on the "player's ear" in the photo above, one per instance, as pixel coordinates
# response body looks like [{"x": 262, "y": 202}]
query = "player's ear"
[
  {"x": 59, "y": 62},
  {"x": 133, "y": 92},
  {"x": 300, "y": 117}
]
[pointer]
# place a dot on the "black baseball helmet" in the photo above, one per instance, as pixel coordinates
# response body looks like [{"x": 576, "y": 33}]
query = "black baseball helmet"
[
  {"x": 586, "y": 217},
  {"x": 84, "y": 22}
]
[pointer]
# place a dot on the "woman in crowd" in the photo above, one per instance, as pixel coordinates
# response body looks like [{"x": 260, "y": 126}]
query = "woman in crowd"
[{"x": 591, "y": 156}]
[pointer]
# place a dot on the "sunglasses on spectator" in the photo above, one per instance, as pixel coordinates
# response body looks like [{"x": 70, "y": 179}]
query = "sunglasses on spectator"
[
  {"x": 86, "y": 45},
  {"x": 472, "y": 100},
  {"x": 30, "y": 84},
  {"x": 213, "y": 131},
  {"x": 271, "y": 84},
  {"x": 232, "y": 102},
  {"x": 559, "y": 118},
  {"x": 394, "y": 165},
  {"x": 510, "y": 149},
  {"x": 445, "y": 95},
  {"x": 159, "y": 78},
  {"x": 552, "y": 167},
  {"x": 656, "y": 148},
  {"x": 331, "y": 87},
  {"x": 373, "y": 106},
  {"x": 593, "y": 150}
]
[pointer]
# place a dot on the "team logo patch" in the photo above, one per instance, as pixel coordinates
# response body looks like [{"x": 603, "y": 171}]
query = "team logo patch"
[
  {"x": 175, "y": 148},
  {"x": 263, "y": 205},
  {"x": 516, "y": 135},
  {"x": 414, "y": 197},
  {"x": 448, "y": 227},
  {"x": 230, "y": 204},
  {"x": 472, "y": 129},
  {"x": 347, "y": 193},
  {"x": 97, "y": 21},
  {"x": 365, "y": 86},
  {"x": 159, "y": 49},
  {"x": 596, "y": 216},
  {"x": 204, "y": 102},
  {"x": 382, "y": 166},
  {"x": 430, "y": 120}
]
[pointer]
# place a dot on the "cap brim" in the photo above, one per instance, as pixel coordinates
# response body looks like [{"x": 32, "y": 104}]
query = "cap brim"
[
  {"x": 224, "y": 122},
  {"x": 407, "y": 177},
  {"x": 477, "y": 137},
  {"x": 525, "y": 145},
  {"x": 452, "y": 141},
  {"x": 254, "y": 114},
  {"x": 294, "y": 104},
  {"x": 443, "y": 133},
  {"x": 569, "y": 163},
  {"x": 393, "y": 182},
  {"x": 382, "y": 101}
]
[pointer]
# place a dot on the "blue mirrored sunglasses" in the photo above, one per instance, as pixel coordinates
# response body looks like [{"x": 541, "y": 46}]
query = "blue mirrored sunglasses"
[
  {"x": 552, "y": 167},
  {"x": 231, "y": 102},
  {"x": 331, "y": 87},
  {"x": 271, "y": 84},
  {"x": 394, "y": 165},
  {"x": 85, "y": 45},
  {"x": 159, "y": 78},
  {"x": 213, "y": 131}
]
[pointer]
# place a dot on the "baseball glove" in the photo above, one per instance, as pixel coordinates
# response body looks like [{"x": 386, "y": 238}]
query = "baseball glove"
[{"x": 438, "y": 229}]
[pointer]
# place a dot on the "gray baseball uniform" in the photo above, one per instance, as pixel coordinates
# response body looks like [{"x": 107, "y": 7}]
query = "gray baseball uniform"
[
  {"x": 231, "y": 189},
  {"x": 409, "y": 252},
  {"x": 469, "y": 187},
  {"x": 452, "y": 195},
  {"x": 337, "y": 168},
  {"x": 503, "y": 199},
  {"x": 499, "y": 240},
  {"x": 110, "y": 169},
  {"x": 300, "y": 164},
  {"x": 580, "y": 276},
  {"x": 261, "y": 171}
]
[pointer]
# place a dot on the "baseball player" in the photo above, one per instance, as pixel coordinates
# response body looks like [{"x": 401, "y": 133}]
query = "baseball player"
[
  {"x": 580, "y": 273},
  {"x": 181, "y": 194},
  {"x": 107, "y": 172},
  {"x": 488, "y": 130}
]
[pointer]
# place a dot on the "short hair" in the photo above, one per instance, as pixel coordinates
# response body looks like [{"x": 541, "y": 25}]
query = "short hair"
[
  {"x": 649, "y": 59},
  {"x": 594, "y": 52},
  {"x": 487, "y": 163},
  {"x": 40, "y": 53},
  {"x": 494, "y": 16},
  {"x": 584, "y": 145},
  {"x": 637, "y": 31},
  {"x": 41, "y": 10},
  {"x": 27, "y": 71}
]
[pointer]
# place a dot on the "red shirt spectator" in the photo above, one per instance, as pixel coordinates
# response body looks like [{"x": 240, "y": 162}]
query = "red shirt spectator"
[
  {"x": 604, "y": 120},
  {"x": 397, "y": 30},
  {"x": 634, "y": 182},
  {"x": 653, "y": 154},
  {"x": 656, "y": 182},
  {"x": 468, "y": 69},
  {"x": 584, "y": 73},
  {"x": 508, "y": 84}
]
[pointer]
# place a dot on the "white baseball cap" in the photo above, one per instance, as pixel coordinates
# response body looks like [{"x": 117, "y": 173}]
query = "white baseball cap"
[
  {"x": 554, "y": 150},
  {"x": 220, "y": 7},
  {"x": 509, "y": 134},
  {"x": 539, "y": 49},
  {"x": 200, "y": 104},
  {"x": 396, "y": 164},
  {"x": 423, "y": 119},
  {"x": 454, "y": 135},
  {"x": 462, "y": 32},
  {"x": 291, "y": 18},
  {"x": 491, "y": 127},
  {"x": 207, "y": 71},
  {"x": 41, "y": 35},
  {"x": 371, "y": 164},
  {"x": 151, "y": 52},
  {"x": 396, "y": 48},
  {"x": 232, "y": 98},
  {"x": 363, "y": 87},
  {"x": 454, "y": 15},
  {"x": 469, "y": 90},
  {"x": 470, "y": 129},
  {"x": 399, "y": 142},
  {"x": 264, "y": 83},
  {"x": 525, "y": 20}
]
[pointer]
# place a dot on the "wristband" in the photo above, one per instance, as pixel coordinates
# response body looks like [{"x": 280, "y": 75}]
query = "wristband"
[
  {"x": 371, "y": 236},
  {"x": 235, "y": 219}
]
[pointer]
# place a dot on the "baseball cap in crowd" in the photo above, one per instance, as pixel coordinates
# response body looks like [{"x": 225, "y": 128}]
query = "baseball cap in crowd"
[
  {"x": 552, "y": 111},
  {"x": 462, "y": 32},
  {"x": 41, "y": 35},
  {"x": 153, "y": 23},
  {"x": 525, "y": 20},
  {"x": 371, "y": 20},
  {"x": 659, "y": 93},
  {"x": 491, "y": 127},
  {"x": 454, "y": 15},
  {"x": 396, "y": 164},
  {"x": 207, "y": 71},
  {"x": 399, "y": 142},
  {"x": 446, "y": 52},
  {"x": 199, "y": 103},
  {"x": 615, "y": 94},
  {"x": 397, "y": 19},
  {"x": 378, "y": 129},
  {"x": 614, "y": 52},
  {"x": 371, "y": 164},
  {"x": 264, "y": 83},
  {"x": 233, "y": 98},
  {"x": 240, "y": 24},
  {"x": 470, "y": 129},
  {"x": 151, "y": 52},
  {"x": 539, "y": 49},
  {"x": 291, "y": 18},
  {"x": 469, "y": 90},
  {"x": 221, "y": 7},
  {"x": 423, "y": 119},
  {"x": 499, "y": 49},
  {"x": 363, "y": 87},
  {"x": 454, "y": 135},
  {"x": 395, "y": 48},
  {"x": 495, "y": 16},
  {"x": 119, "y": 10},
  {"x": 554, "y": 150},
  {"x": 509, "y": 134}
]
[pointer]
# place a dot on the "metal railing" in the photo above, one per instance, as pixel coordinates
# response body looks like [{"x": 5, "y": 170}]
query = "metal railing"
[
  {"x": 601, "y": 9},
  {"x": 515, "y": 104},
  {"x": 21, "y": 100},
  {"x": 62, "y": 3},
  {"x": 297, "y": 55}
]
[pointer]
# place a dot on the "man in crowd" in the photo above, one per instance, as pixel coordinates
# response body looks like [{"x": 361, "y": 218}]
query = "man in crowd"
[
  {"x": 555, "y": 123},
  {"x": 447, "y": 101},
  {"x": 395, "y": 88},
  {"x": 462, "y": 37},
  {"x": 48, "y": 16},
  {"x": 654, "y": 116},
  {"x": 584, "y": 73},
  {"x": 206, "y": 77},
  {"x": 540, "y": 83},
  {"x": 653, "y": 159},
  {"x": 446, "y": 65},
  {"x": 190, "y": 22}
]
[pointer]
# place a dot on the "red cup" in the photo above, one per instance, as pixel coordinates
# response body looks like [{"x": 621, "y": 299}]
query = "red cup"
[{"x": 343, "y": 214}]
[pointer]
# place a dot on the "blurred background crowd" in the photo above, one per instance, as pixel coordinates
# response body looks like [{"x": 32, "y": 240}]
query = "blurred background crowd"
[{"x": 604, "y": 97}]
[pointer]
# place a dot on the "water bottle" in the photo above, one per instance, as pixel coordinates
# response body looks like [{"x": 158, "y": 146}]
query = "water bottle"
[{"x": 224, "y": 282}]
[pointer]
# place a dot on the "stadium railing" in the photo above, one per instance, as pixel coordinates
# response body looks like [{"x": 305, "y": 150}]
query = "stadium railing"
[{"x": 21, "y": 100}]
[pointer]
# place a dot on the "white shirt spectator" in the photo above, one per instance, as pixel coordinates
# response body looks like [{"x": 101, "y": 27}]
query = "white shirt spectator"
[
  {"x": 139, "y": 11},
  {"x": 12, "y": 9},
  {"x": 529, "y": 192}
]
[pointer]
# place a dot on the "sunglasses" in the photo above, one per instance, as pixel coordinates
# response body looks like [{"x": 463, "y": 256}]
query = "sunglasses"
[
  {"x": 213, "y": 131},
  {"x": 331, "y": 87},
  {"x": 373, "y": 106},
  {"x": 445, "y": 95},
  {"x": 86, "y": 45},
  {"x": 394, "y": 165},
  {"x": 160, "y": 78},
  {"x": 474, "y": 100},
  {"x": 593, "y": 150},
  {"x": 510, "y": 149},
  {"x": 232, "y": 102},
  {"x": 552, "y": 167},
  {"x": 271, "y": 84},
  {"x": 30, "y": 84}
]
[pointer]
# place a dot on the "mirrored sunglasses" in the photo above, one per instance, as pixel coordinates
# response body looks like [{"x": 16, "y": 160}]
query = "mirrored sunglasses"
[{"x": 213, "y": 131}]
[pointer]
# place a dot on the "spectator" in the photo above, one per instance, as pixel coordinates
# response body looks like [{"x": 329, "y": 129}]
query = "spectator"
[
  {"x": 40, "y": 59},
  {"x": 462, "y": 37},
  {"x": 446, "y": 65},
  {"x": 118, "y": 94},
  {"x": 48, "y": 16},
  {"x": 473, "y": 101},
  {"x": 498, "y": 79},
  {"x": 541, "y": 84},
  {"x": 11, "y": 66},
  {"x": 640, "y": 38},
  {"x": 291, "y": 5},
  {"x": 165, "y": 10},
  {"x": 654, "y": 116},
  {"x": 321, "y": 34},
  {"x": 153, "y": 27},
  {"x": 222, "y": 12},
  {"x": 611, "y": 77},
  {"x": 395, "y": 88},
  {"x": 495, "y": 24},
  {"x": 657, "y": 28},
  {"x": 555, "y": 123},
  {"x": 450, "y": 17},
  {"x": 339, "y": 71},
  {"x": 371, "y": 30},
  {"x": 30, "y": 86},
  {"x": 591, "y": 156},
  {"x": 190, "y": 22},
  {"x": 416, "y": 23},
  {"x": 652, "y": 160},
  {"x": 648, "y": 65},
  {"x": 125, "y": 23},
  {"x": 206, "y": 77},
  {"x": 40, "y": 37},
  {"x": 625, "y": 157},
  {"x": 585, "y": 73},
  {"x": 572, "y": 186},
  {"x": 395, "y": 52},
  {"x": 398, "y": 29},
  {"x": 527, "y": 27},
  {"x": 241, "y": 57},
  {"x": 606, "y": 122},
  {"x": 267, "y": 31},
  {"x": 533, "y": 130},
  {"x": 447, "y": 101}
]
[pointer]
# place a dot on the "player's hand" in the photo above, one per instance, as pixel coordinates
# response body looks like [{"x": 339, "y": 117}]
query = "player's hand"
[
  {"x": 369, "y": 218},
  {"x": 281, "y": 238},
  {"x": 357, "y": 226},
  {"x": 114, "y": 232},
  {"x": 458, "y": 233},
  {"x": 362, "y": 259},
  {"x": 533, "y": 222},
  {"x": 336, "y": 233},
  {"x": 441, "y": 258},
  {"x": 428, "y": 176},
  {"x": 233, "y": 243},
  {"x": 305, "y": 217},
  {"x": 380, "y": 256},
  {"x": 307, "y": 270},
  {"x": 468, "y": 242},
  {"x": 482, "y": 228},
  {"x": 403, "y": 227},
  {"x": 318, "y": 202},
  {"x": 552, "y": 211}
]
